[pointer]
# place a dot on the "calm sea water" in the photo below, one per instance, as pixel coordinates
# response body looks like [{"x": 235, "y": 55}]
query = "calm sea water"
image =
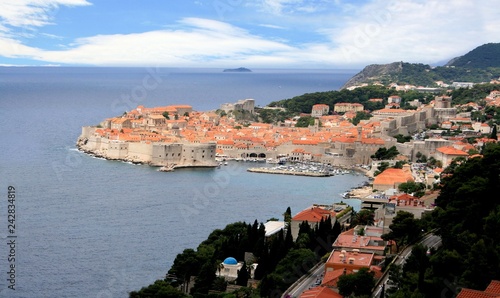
[{"x": 87, "y": 227}]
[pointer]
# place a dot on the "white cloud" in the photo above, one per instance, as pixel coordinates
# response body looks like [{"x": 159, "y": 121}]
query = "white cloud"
[
  {"x": 32, "y": 13},
  {"x": 377, "y": 32},
  {"x": 200, "y": 42},
  {"x": 272, "y": 26},
  {"x": 411, "y": 30},
  {"x": 279, "y": 7}
]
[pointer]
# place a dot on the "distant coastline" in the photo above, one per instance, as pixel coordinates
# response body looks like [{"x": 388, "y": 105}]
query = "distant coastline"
[{"x": 240, "y": 69}]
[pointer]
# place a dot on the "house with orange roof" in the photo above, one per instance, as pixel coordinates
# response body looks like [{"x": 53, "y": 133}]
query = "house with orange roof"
[
  {"x": 369, "y": 243},
  {"x": 483, "y": 128},
  {"x": 447, "y": 154},
  {"x": 210, "y": 117},
  {"x": 120, "y": 123},
  {"x": 331, "y": 278},
  {"x": 446, "y": 124},
  {"x": 492, "y": 291},
  {"x": 314, "y": 215},
  {"x": 392, "y": 178},
  {"x": 155, "y": 120},
  {"x": 319, "y": 110},
  {"x": 182, "y": 109},
  {"x": 343, "y": 107},
  {"x": 350, "y": 260},
  {"x": 394, "y": 99}
]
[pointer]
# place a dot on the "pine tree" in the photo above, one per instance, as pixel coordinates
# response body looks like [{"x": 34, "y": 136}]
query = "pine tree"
[
  {"x": 243, "y": 276},
  {"x": 494, "y": 133}
]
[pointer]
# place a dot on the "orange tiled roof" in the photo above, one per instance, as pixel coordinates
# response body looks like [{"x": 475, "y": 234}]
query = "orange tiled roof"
[
  {"x": 320, "y": 292},
  {"x": 494, "y": 286},
  {"x": 305, "y": 142},
  {"x": 468, "y": 293},
  {"x": 314, "y": 214},
  {"x": 332, "y": 277},
  {"x": 391, "y": 176},
  {"x": 449, "y": 150}
]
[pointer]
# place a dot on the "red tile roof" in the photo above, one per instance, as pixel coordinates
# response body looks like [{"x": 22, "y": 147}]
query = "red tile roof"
[
  {"x": 494, "y": 286},
  {"x": 314, "y": 214},
  {"x": 493, "y": 290},
  {"x": 449, "y": 150},
  {"x": 320, "y": 292}
]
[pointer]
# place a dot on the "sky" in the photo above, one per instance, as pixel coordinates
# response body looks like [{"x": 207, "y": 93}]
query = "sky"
[{"x": 319, "y": 34}]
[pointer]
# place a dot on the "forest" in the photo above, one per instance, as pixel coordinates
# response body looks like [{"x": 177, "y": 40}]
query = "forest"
[{"x": 304, "y": 103}]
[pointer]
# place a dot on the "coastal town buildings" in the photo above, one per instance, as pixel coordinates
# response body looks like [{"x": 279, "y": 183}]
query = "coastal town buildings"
[
  {"x": 319, "y": 110},
  {"x": 177, "y": 136},
  {"x": 343, "y": 107}
]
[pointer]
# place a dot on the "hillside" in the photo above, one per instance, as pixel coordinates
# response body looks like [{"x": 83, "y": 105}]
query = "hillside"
[
  {"x": 487, "y": 55},
  {"x": 479, "y": 65}
]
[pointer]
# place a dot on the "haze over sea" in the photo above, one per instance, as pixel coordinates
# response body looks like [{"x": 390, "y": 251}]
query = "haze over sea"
[{"x": 94, "y": 228}]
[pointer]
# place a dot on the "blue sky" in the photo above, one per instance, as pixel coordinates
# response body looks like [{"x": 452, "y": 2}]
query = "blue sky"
[{"x": 234, "y": 33}]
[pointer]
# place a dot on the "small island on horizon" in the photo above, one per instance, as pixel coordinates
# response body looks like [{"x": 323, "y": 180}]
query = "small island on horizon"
[{"x": 240, "y": 69}]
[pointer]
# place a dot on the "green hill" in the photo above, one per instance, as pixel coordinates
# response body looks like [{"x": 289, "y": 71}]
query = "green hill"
[
  {"x": 487, "y": 55},
  {"x": 479, "y": 65}
]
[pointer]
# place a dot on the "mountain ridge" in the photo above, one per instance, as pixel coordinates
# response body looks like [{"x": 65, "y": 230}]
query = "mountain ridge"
[{"x": 482, "y": 64}]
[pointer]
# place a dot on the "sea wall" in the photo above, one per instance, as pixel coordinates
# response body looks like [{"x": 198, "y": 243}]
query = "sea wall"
[{"x": 175, "y": 155}]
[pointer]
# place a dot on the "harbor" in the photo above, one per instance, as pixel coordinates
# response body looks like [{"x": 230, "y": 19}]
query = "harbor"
[{"x": 302, "y": 169}]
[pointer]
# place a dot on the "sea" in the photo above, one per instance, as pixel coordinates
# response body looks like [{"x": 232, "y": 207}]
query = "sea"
[{"x": 77, "y": 226}]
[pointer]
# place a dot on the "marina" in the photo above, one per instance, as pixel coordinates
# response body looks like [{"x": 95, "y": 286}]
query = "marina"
[{"x": 302, "y": 169}]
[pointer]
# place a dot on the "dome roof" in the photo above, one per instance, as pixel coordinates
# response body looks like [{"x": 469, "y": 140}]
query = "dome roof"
[{"x": 230, "y": 261}]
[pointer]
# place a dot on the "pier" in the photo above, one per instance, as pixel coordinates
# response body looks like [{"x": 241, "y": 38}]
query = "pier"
[{"x": 288, "y": 172}]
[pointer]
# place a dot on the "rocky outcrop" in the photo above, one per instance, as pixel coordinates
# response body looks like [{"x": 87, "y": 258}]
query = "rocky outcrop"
[{"x": 373, "y": 73}]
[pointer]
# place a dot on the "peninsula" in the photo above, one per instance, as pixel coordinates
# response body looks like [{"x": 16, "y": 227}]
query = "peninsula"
[{"x": 177, "y": 136}]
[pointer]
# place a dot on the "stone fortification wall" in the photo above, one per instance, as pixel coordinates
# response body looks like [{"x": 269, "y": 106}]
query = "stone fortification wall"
[
  {"x": 117, "y": 150},
  {"x": 166, "y": 154},
  {"x": 155, "y": 154},
  {"x": 140, "y": 152},
  {"x": 198, "y": 155}
]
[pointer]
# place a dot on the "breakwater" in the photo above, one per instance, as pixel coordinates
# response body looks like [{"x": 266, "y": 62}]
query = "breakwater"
[{"x": 288, "y": 172}]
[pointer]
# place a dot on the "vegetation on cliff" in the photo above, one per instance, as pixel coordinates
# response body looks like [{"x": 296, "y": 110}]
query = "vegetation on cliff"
[
  {"x": 479, "y": 65},
  {"x": 281, "y": 261},
  {"x": 419, "y": 74},
  {"x": 484, "y": 56},
  {"x": 304, "y": 103},
  {"x": 467, "y": 217}
]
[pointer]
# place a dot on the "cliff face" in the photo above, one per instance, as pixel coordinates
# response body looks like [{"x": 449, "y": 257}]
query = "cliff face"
[{"x": 374, "y": 72}]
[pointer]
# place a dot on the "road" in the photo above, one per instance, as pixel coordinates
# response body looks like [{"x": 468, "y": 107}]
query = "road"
[
  {"x": 308, "y": 281},
  {"x": 431, "y": 241}
]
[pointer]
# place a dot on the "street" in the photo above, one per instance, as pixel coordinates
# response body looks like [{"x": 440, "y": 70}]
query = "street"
[{"x": 431, "y": 241}]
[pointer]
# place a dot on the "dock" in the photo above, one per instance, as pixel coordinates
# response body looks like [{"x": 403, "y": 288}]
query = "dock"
[{"x": 289, "y": 172}]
